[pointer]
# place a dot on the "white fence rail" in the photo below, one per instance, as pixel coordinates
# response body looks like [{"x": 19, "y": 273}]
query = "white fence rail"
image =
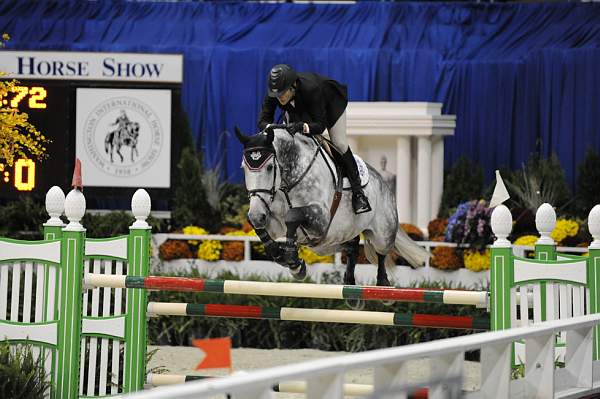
[
  {"x": 325, "y": 378},
  {"x": 158, "y": 239}
]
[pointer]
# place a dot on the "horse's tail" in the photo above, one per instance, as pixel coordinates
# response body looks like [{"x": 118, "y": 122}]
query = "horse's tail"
[
  {"x": 415, "y": 254},
  {"x": 403, "y": 246}
]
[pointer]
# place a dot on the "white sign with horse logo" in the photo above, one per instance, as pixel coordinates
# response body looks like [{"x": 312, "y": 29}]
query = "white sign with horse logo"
[{"x": 124, "y": 137}]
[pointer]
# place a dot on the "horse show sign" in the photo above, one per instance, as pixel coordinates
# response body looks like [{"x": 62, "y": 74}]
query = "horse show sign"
[{"x": 123, "y": 136}]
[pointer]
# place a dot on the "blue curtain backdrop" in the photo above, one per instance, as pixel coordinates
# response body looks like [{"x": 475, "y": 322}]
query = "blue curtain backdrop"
[{"x": 519, "y": 77}]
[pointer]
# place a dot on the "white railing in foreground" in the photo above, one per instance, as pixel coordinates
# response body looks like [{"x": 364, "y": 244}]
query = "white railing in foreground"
[{"x": 325, "y": 377}]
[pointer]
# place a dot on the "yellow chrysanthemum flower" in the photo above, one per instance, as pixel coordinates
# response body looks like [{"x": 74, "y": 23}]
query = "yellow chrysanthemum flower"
[
  {"x": 210, "y": 250},
  {"x": 311, "y": 257},
  {"x": 564, "y": 228},
  {"x": 526, "y": 240},
  {"x": 477, "y": 261},
  {"x": 257, "y": 246},
  {"x": 194, "y": 230}
]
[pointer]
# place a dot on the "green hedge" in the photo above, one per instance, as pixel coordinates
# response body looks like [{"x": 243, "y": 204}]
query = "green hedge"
[
  {"x": 21, "y": 374},
  {"x": 268, "y": 334}
]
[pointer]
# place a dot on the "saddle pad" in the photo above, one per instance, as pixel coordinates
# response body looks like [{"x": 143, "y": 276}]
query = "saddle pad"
[{"x": 363, "y": 172}]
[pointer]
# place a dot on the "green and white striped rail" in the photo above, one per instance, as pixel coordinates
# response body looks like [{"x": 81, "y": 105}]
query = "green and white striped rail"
[
  {"x": 319, "y": 315},
  {"x": 297, "y": 290}
]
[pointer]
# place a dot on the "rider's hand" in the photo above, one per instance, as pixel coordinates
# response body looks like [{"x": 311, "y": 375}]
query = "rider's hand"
[
  {"x": 295, "y": 127},
  {"x": 269, "y": 129}
]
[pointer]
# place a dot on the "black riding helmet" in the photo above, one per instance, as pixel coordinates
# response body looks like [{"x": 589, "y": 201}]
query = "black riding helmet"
[{"x": 281, "y": 77}]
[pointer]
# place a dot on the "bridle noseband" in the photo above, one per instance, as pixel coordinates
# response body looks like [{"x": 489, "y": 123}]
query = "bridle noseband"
[
  {"x": 285, "y": 187},
  {"x": 273, "y": 190}
]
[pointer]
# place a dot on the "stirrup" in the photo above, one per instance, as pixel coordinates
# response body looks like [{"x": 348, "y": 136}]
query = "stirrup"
[{"x": 360, "y": 203}]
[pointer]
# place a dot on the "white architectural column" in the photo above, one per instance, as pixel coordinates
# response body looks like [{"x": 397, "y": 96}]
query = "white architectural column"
[
  {"x": 403, "y": 183},
  {"x": 410, "y": 135},
  {"x": 437, "y": 175},
  {"x": 423, "y": 183}
]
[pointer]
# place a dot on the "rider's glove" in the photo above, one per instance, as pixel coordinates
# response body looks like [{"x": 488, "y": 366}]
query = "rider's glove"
[
  {"x": 295, "y": 127},
  {"x": 268, "y": 129}
]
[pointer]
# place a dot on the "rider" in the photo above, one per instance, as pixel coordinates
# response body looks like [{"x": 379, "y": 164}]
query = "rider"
[
  {"x": 313, "y": 103},
  {"x": 122, "y": 121}
]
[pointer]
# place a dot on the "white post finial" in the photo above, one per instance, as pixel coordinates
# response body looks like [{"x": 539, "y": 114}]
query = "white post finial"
[
  {"x": 594, "y": 226},
  {"x": 75, "y": 209},
  {"x": 55, "y": 206},
  {"x": 545, "y": 222},
  {"x": 501, "y": 226},
  {"x": 140, "y": 207}
]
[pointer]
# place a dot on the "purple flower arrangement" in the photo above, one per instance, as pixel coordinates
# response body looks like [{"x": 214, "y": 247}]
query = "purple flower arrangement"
[{"x": 470, "y": 224}]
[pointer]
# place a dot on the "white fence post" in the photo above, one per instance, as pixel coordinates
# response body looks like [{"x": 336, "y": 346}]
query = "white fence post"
[
  {"x": 247, "y": 250},
  {"x": 325, "y": 386},
  {"x": 390, "y": 375},
  {"x": 445, "y": 367},
  {"x": 495, "y": 371},
  {"x": 539, "y": 366},
  {"x": 578, "y": 358}
]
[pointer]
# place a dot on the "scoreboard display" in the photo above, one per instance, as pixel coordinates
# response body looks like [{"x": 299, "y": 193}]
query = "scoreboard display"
[
  {"x": 119, "y": 113},
  {"x": 52, "y": 106},
  {"x": 47, "y": 105}
]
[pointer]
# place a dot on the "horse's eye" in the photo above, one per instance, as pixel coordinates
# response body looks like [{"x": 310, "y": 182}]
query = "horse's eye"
[{"x": 269, "y": 168}]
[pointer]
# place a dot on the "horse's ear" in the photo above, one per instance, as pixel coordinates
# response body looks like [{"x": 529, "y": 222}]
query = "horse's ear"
[
  {"x": 241, "y": 137},
  {"x": 270, "y": 136}
]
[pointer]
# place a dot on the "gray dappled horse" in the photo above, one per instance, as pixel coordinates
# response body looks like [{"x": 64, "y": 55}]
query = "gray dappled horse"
[{"x": 291, "y": 188}]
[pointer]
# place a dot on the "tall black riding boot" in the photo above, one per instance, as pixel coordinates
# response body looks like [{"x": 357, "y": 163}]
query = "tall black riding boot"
[{"x": 360, "y": 203}]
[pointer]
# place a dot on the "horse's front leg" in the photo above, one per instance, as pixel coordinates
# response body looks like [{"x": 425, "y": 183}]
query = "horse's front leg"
[
  {"x": 382, "y": 278},
  {"x": 311, "y": 218},
  {"x": 272, "y": 247},
  {"x": 351, "y": 249}
]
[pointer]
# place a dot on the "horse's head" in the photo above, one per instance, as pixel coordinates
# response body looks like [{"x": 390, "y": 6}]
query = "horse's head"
[{"x": 260, "y": 171}]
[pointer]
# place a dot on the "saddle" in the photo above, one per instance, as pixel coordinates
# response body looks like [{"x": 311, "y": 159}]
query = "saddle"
[{"x": 334, "y": 159}]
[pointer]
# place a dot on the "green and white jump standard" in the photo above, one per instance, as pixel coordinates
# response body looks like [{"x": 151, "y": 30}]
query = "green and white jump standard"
[
  {"x": 554, "y": 285},
  {"x": 79, "y": 339}
]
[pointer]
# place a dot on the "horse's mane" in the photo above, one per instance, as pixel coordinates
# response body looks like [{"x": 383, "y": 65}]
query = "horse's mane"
[{"x": 284, "y": 141}]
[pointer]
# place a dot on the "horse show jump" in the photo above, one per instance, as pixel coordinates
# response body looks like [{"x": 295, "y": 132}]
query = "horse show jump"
[{"x": 83, "y": 303}]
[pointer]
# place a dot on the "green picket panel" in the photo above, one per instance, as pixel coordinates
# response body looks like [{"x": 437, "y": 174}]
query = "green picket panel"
[{"x": 55, "y": 267}]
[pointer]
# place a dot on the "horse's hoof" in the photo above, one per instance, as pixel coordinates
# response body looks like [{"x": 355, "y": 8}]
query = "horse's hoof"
[
  {"x": 299, "y": 272},
  {"x": 383, "y": 282},
  {"x": 349, "y": 280}
]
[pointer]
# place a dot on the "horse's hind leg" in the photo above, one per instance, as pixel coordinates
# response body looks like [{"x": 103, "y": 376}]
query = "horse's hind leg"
[
  {"x": 351, "y": 248},
  {"x": 382, "y": 278}
]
